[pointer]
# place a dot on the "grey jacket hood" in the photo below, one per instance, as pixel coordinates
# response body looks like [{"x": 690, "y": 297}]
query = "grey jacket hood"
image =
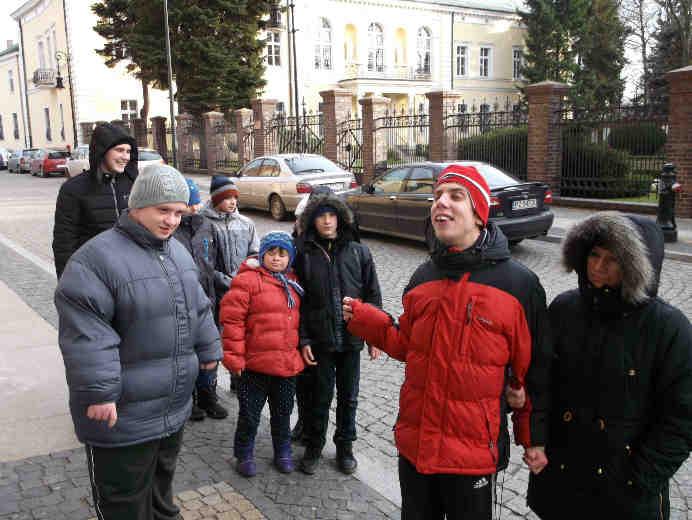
[
  {"x": 305, "y": 227},
  {"x": 636, "y": 242}
]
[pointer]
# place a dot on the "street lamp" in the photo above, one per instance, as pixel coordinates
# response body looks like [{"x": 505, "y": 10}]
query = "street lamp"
[
  {"x": 60, "y": 57},
  {"x": 170, "y": 83}
]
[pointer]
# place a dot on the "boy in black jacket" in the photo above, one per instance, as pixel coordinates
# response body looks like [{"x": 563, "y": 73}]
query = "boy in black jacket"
[{"x": 330, "y": 265}]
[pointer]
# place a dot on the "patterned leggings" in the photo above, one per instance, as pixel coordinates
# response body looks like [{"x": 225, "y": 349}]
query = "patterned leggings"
[{"x": 254, "y": 389}]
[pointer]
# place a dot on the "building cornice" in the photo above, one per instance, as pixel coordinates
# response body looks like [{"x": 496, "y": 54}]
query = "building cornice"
[
  {"x": 414, "y": 5},
  {"x": 24, "y": 11}
]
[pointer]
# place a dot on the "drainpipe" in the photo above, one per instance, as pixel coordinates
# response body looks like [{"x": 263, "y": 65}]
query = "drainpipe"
[
  {"x": 21, "y": 111},
  {"x": 290, "y": 59},
  {"x": 451, "y": 57},
  {"x": 69, "y": 76},
  {"x": 26, "y": 94}
]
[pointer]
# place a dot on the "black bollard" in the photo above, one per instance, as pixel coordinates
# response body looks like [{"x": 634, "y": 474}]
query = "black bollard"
[{"x": 665, "y": 217}]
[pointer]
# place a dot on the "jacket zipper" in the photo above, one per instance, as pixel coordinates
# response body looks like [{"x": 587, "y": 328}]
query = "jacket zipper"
[
  {"x": 115, "y": 198},
  {"x": 175, "y": 350}
]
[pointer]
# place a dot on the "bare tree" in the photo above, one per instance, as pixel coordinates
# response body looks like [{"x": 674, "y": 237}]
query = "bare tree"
[
  {"x": 679, "y": 13},
  {"x": 640, "y": 18}
]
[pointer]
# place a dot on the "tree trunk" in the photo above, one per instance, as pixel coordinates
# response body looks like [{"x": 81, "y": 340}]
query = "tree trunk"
[{"x": 145, "y": 104}]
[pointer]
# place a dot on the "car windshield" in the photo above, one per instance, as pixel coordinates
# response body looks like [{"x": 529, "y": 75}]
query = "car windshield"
[
  {"x": 148, "y": 155},
  {"x": 311, "y": 164},
  {"x": 58, "y": 155},
  {"x": 495, "y": 177}
]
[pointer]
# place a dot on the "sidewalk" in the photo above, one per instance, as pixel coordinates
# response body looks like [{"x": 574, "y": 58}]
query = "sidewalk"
[
  {"x": 43, "y": 470},
  {"x": 565, "y": 218}
]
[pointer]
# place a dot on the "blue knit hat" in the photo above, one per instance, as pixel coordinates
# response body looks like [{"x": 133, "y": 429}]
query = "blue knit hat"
[
  {"x": 194, "y": 193},
  {"x": 277, "y": 239},
  {"x": 322, "y": 209}
]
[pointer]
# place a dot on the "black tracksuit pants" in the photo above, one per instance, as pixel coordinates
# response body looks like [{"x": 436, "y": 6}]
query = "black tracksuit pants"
[
  {"x": 435, "y": 497},
  {"x": 134, "y": 482}
]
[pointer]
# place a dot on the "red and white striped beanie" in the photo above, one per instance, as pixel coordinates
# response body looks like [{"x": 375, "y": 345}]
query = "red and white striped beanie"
[{"x": 471, "y": 179}]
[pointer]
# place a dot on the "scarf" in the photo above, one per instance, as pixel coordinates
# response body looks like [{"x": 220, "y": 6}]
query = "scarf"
[{"x": 287, "y": 284}]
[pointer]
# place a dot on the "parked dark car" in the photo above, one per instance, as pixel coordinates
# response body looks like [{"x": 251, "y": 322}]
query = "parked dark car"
[
  {"x": 398, "y": 202},
  {"x": 47, "y": 162}
]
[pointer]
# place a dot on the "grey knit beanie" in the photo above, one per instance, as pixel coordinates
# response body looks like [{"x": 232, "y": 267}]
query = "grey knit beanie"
[{"x": 158, "y": 184}]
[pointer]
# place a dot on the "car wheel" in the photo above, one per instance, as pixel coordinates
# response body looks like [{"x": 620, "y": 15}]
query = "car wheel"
[
  {"x": 514, "y": 242},
  {"x": 277, "y": 208}
]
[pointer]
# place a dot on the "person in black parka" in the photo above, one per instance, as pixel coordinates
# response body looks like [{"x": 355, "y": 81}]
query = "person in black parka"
[
  {"x": 331, "y": 264},
  {"x": 92, "y": 201},
  {"x": 621, "y": 420}
]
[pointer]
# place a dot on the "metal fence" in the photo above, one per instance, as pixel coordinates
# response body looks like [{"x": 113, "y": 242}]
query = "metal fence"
[
  {"x": 404, "y": 137},
  {"x": 616, "y": 153},
  {"x": 499, "y": 137},
  {"x": 349, "y": 145},
  {"x": 286, "y": 134},
  {"x": 247, "y": 142},
  {"x": 195, "y": 129},
  {"x": 229, "y": 161}
]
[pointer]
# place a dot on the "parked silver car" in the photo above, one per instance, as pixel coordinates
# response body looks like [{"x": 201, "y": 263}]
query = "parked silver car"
[
  {"x": 13, "y": 161},
  {"x": 279, "y": 182},
  {"x": 78, "y": 161},
  {"x": 4, "y": 157}
]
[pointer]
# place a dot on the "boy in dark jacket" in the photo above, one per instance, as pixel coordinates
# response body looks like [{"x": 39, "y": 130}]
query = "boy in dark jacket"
[
  {"x": 92, "y": 201},
  {"x": 196, "y": 233},
  {"x": 331, "y": 265},
  {"x": 471, "y": 315}
]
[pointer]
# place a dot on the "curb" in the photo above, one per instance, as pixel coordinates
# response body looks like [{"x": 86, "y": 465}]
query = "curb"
[{"x": 668, "y": 254}]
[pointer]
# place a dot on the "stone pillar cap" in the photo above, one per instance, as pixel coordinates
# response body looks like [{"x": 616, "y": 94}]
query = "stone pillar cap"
[{"x": 373, "y": 100}]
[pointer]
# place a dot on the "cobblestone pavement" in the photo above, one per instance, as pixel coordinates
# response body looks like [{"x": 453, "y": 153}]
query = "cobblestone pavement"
[{"x": 58, "y": 482}]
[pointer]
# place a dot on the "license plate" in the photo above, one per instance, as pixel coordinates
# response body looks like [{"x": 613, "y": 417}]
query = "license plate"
[
  {"x": 524, "y": 204},
  {"x": 335, "y": 186}
]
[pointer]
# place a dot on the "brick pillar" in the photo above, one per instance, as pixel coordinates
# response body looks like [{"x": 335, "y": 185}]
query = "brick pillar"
[
  {"x": 441, "y": 146},
  {"x": 213, "y": 139},
  {"x": 373, "y": 150},
  {"x": 140, "y": 129},
  {"x": 263, "y": 110},
  {"x": 679, "y": 142},
  {"x": 336, "y": 106},
  {"x": 158, "y": 132},
  {"x": 544, "y": 148},
  {"x": 184, "y": 151},
  {"x": 243, "y": 119}
]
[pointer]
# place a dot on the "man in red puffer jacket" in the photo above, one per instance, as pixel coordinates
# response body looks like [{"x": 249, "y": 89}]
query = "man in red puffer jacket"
[{"x": 474, "y": 323}]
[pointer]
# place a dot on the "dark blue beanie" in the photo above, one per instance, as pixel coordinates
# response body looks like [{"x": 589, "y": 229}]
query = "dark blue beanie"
[
  {"x": 322, "y": 209},
  {"x": 277, "y": 239}
]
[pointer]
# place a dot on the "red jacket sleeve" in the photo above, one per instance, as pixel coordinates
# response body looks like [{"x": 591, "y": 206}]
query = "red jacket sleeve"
[
  {"x": 233, "y": 314},
  {"x": 377, "y": 328}
]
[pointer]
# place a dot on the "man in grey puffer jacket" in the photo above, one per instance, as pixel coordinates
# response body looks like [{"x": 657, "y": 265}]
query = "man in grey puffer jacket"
[{"x": 135, "y": 327}]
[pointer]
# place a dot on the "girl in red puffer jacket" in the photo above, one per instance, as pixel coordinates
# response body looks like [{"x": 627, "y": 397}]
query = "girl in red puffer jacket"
[{"x": 260, "y": 318}]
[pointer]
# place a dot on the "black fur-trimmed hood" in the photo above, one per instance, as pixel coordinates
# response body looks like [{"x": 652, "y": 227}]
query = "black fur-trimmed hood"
[
  {"x": 305, "y": 226},
  {"x": 637, "y": 243}
]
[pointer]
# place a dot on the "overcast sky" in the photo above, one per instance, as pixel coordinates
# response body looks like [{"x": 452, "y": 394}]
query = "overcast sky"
[{"x": 8, "y": 27}]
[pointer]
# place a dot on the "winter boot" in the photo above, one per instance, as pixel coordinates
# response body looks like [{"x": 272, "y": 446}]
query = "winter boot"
[
  {"x": 283, "y": 458},
  {"x": 209, "y": 402},
  {"x": 197, "y": 413},
  {"x": 245, "y": 460},
  {"x": 310, "y": 460},
  {"x": 345, "y": 460}
]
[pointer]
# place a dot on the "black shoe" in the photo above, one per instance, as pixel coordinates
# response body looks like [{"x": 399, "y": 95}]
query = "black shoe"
[
  {"x": 298, "y": 432},
  {"x": 311, "y": 458},
  {"x": 209, "y": 402},
  {"x": 345, "y": 460},
  {"x": 197, "y": 413}
]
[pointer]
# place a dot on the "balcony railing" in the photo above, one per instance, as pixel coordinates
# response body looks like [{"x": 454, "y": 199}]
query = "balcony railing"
[
  {"x": 380, "y": 72},
  {"x": 44, "y": 77}
]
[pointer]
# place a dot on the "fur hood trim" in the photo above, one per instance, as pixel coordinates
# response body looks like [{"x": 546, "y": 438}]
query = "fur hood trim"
[
  {"x": 344, "y": 213},
  {"x": 625, "y": 238}
]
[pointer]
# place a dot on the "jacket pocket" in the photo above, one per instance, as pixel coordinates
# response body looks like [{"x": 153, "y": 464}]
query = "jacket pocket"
[{"x": 490, "y": 430}]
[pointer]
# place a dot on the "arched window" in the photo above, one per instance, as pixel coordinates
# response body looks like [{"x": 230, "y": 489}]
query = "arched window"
[
  {"x": 323, "y": 45},
  {"x": 375, "y": 48},
  {"x": 423, "y": 50}
]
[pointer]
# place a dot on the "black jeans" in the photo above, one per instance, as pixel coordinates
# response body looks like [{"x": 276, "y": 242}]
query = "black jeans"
[
  {"x": 134, "y": 482},
  {"x": 254, "y": 389},
  {"x": 454, "y": 497},
  {"x": 342, "y": 369}
]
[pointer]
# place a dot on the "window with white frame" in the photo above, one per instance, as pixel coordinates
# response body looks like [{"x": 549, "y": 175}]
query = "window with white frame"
[
  {"x": 517, "y": 62},
  {"x": 323, "y": 46},
  {"x": 375, "y": 48},
  {"x": 485, "y": 61},
  {"x": 10, "y": 79},
  {"x": 62, "y": 123},
  {"x": 15, "y": 125},
  {"x": 49, "y": 51},
  {"x": 41, "y": 55},
  {"x": 274, "y": 49},
  {"x": 46, "y": 116},
  {"x": 128, "y": 109},
  {"x": 424, "y": 50},
  {"x": 462, "y": 59}
]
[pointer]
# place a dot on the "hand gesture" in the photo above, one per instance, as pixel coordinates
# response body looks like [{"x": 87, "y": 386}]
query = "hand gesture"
[
  {"x": 309, "y": 359},
  {"x": 374, "y": 352},
  {"x": 103, "y": 412},
  {"x": 208, "y": 366},
  {"x": 347, "y": 308},
  {"x": 535, "y": 459},
  {"x": 516, "y": 397}
]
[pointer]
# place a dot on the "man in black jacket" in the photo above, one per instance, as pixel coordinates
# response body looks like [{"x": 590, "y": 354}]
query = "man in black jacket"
[
  {"x": 330, "y": 265},
  {"x": 92, "y": 201}
]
